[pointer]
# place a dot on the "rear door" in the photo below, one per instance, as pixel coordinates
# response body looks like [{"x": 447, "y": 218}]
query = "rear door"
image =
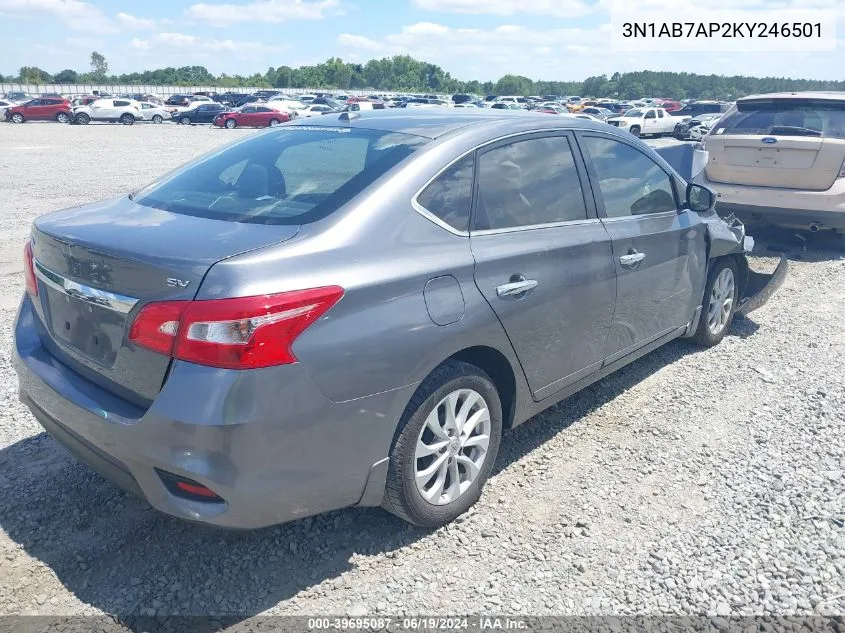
[
  {"x": 659, "y": 250},
  {"x": 794, "y": 143},
  {"x": 544, "y": 262}
]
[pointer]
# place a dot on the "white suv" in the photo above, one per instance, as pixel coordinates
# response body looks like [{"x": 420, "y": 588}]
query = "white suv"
[
  {"x": 780, "y": 159},
  {"x": 124, "y": 111}
]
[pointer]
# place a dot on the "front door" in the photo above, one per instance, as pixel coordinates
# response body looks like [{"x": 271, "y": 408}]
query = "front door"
[
  {"x": 659, "y": 250},
  {"x": 543, "y": 261}
]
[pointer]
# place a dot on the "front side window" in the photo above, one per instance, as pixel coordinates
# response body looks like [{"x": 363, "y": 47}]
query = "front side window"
[
  {"x": 449, "y": 196},
  {"x": 630, "y": 182},
  {"x": 300, "y": 175},
  {"x": 527, "y": 183}
]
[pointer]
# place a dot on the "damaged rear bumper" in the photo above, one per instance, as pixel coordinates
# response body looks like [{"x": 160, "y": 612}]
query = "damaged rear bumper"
[{"x": 761, "y": 286}]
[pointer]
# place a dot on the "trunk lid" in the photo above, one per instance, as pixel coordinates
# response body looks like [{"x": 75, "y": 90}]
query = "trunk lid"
[
  {"x": 787, "y": 142},
  {"x": 98, "y": 265}
]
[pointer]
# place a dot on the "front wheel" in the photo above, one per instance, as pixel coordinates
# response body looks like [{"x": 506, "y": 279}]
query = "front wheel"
[
  {"x": 231, "y": 124},
  {"x": 446, "y": 445},
  {"x": 63, "y": 117},
  {"x": 82, "y": 119},
  {"x": 127, "y": 119},
  {"x": 158, "y": 119},
  {"x": 720, "y": 299},
  {"x": 635, "y": 131},
  {"x": 274, "y": 122},
  {"x": 18, "y": 118},
  {"x": 185, "y": 120}
]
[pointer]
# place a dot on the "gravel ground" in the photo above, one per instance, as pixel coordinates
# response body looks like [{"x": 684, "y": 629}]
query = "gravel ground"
[{"x": 691, "y": 482}]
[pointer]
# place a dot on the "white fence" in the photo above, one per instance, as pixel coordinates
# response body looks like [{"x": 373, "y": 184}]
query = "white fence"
[{"x": 68, "y": 89}]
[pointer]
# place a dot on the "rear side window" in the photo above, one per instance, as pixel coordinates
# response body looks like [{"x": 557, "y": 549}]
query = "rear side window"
[
  {"x": 528, "y": 183},
  {"x": 785, "y": 117},
  {"x": 449, "y": 196},
  {"x": 294, "y": 176},
  {"x": 121, "y": 103},
  {"x": 630, "y": 182}
]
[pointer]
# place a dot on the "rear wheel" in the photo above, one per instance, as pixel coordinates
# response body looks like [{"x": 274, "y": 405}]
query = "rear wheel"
[
  {"x": 127, "y": 119},
  {"x": 635, "y": 130},
  {"x": 158, "y": 119},
  {"x": 274, "y": 122},
  {"x": 446, "y": 445},
  {"x": 231, "y": 124},
  {"x": 17, "y": 117},
  {"x": 82, "y": 118},
  {"x": 63, "y": 117},
  {"x": 720, "y": 298}
]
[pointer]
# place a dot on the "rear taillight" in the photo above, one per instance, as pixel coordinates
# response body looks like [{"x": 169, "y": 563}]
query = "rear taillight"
[
  {"x": 239, "y": 333},
  {"x": 29, "y": 270}
]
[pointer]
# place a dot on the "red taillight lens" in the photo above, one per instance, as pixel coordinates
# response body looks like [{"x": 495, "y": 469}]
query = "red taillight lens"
[
  {"x": 156, "y": 326},
  {"x": 239, "y": 333},
  {"x": 29, "y": 270}
]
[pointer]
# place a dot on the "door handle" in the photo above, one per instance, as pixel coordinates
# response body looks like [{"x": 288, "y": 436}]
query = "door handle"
[
  {"x": 631, "y": 259},
  {"x": 514, "y": 288}
]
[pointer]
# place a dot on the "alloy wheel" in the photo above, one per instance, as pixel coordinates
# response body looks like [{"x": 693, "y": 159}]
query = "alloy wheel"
[
  {"x": 452, "y": 446},
  {"x": 721, "y": 301}
]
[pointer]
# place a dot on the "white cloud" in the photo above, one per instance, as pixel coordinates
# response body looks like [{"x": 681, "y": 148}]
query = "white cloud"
[
  {"x": 77, "y": 15},
  {"x": 357, "y": 41},
  {"x": 261, "y": 11},
  {"x": 132, "y": 22},
  {"x": 555, "y": 8},
  {"x": 194, "y": 47}
]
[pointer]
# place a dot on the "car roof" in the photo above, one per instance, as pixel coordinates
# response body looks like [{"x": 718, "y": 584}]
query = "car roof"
[
  {"x": 817, "y": 94},
  {"x": 433, "y": 123}
]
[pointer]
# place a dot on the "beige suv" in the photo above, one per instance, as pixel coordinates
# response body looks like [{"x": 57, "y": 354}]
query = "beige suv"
[{"x": 780, "y": 159}]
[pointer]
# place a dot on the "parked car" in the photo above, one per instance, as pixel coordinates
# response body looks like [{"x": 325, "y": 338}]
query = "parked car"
[
  {"x": 696, "y": 127},
  {"x": 112, "y": 110},
  {"x": 645, "y": 121},
  {"x": 284, "y": 104},
  {"x": 177, "y": 100},
  {"x": 252, "y": 116},
  {"x": 503, "y": 105},
  {"x": 315, "y": 110},
  {"x": 550, "y": 108},
  {"x": 153, "y": 112},
  {"x": 701, "y": 107},
  {"x": 249, "y": 276},
  {"x": 601, "y": 113},
  {"x": 4, "y": 105},
  {"x": 521, "y": 102},
  {"x": 780, "y": 159},
  {"x": 202, "y": 113},
  {"x": 359, "y": 106},
  {"x": 18, "y": 96},
  {"x": 41, "y": 109}
]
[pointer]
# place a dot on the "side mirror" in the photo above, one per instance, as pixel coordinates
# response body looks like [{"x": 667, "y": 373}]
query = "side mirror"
[{"x": 699, "y": 198}]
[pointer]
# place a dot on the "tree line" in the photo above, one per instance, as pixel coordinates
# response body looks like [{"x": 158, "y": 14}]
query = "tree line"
[{"x": 403, "y": 73}]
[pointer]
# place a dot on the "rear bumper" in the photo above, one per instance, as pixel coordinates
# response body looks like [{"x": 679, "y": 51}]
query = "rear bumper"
[
  {"x": 779, "y": 206},
  {"x": 267, "y": 441}
]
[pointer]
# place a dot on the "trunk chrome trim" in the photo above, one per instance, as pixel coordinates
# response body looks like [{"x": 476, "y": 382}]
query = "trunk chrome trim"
[{"x": 111, "y": 300}]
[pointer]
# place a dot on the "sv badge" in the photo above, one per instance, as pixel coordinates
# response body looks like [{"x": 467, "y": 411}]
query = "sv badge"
[{"x": 177, "y": 283}]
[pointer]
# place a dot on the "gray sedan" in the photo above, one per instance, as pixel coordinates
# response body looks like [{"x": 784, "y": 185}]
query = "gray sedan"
[{"x": 349, "y": 311}]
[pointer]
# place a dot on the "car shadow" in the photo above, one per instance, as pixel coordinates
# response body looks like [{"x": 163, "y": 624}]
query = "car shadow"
[
  {"x": 113, "y": 552},
  {"x": 771, "y": 241}
]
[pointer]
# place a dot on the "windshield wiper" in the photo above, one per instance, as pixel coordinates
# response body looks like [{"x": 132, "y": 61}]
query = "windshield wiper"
[{"x": 794, "y": 130}]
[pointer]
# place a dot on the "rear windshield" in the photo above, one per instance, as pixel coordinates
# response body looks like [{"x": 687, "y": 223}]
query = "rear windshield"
[
  {"x": 787, "y": 118},
  {"x": 295, "y": 175}
]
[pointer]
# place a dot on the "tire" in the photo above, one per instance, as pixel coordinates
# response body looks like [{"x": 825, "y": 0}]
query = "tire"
[
  {"x": 713, "y": 326},
  {"x": 274, "y": 123},
  {"x": 82, "y": 119},
  {"x": 17, "y": 117},
  {"x": 452, "y": 384},
  {"x": 635, "y": 130},
  {"x": 231, "y": 124},
  {"x": 158, "y": 119},
  {"x": 63, "y": 117},
  {"x": 185, "y": 120},
  {"x": 127, "y": 119}
]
